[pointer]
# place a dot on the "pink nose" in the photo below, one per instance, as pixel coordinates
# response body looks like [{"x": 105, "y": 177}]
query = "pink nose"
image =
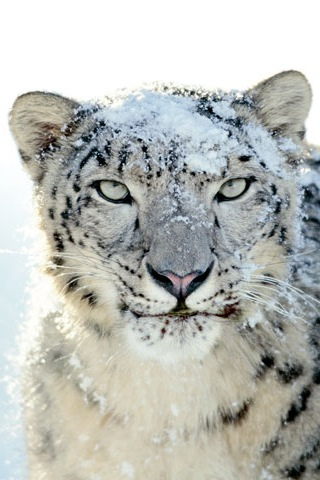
[
  {"x": 177, "y": 285},
  {"x": 180, "y": 285}
]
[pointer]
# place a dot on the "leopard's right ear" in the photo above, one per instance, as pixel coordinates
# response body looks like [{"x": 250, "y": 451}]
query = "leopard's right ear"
[{"x": 38, "y": 121}]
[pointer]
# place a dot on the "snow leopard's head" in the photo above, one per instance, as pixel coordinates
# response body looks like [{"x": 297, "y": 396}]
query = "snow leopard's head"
[{"x": 170, "y": 213}]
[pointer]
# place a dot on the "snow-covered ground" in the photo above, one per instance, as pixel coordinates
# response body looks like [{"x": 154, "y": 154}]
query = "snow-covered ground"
[
  {"x": 15, "y": 210},
  {"x": 85, "y": 49}
]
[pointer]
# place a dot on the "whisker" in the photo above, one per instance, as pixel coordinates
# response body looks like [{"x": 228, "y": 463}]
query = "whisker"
[
  {"x": 286, "y": 285},
  {"x": 277, "y": 307}
]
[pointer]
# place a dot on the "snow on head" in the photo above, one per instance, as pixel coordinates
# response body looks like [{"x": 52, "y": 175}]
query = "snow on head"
[
  {"x": 205, "y": 136},
  {"x": 160, "y": 117}
]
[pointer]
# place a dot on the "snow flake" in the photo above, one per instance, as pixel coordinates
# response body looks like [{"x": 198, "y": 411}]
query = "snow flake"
[
  {"x": 256, "y": 318},
  {"x": 74, "y": 361},
  {"x": 127, "y": 469},
  {"x": 266, "y": 475},
  {"x": 175, "y": 410},
  {"x": 85, "y": 382},
  {"x": 102, "y": 401}
]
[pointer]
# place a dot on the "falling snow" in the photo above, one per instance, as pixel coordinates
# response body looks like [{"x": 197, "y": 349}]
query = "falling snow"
[{"x": 127, "y": 470}]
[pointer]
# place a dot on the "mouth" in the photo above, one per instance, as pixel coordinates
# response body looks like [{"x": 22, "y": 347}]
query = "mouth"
[{"x": 184, "y": 314}]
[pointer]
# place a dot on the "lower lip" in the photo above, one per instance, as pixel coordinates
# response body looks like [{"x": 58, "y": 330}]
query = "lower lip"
[{"x": 228, "y": 311}]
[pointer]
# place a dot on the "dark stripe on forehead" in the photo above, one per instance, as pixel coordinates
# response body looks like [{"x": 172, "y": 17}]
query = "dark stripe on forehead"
[
  {"x": 173, "y": 156},
  {"x": 144, "y": 148},
  {"x": 123, "y": 156},
  {"x": 87, "y": 137},
  {"x": 93, "y": 153},
  {"x": 107, "y": 148},
  {"x": 89, "y": 155}
]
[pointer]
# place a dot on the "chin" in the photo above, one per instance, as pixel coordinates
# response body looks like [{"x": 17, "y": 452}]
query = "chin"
[{"x": 170, "y": 338}]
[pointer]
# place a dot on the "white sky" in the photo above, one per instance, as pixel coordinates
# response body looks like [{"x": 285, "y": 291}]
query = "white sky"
[{"x": 85, "y": 48}]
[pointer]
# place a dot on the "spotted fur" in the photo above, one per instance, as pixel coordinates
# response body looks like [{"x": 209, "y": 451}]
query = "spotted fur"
[{"x": 182, "y": 237}]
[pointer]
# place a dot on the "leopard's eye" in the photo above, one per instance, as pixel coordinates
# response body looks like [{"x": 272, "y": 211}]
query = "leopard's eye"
[
  {"x": 233, "y": 189},
  {"x": 113, "y": 191}
]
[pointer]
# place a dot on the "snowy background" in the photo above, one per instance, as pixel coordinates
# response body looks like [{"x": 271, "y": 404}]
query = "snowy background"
[{"x": 84, "y": 49}]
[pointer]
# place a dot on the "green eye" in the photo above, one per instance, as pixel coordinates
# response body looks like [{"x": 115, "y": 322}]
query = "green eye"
[
  {"x": 233, "y": 189},
  {"x": 113, "y": 191}
]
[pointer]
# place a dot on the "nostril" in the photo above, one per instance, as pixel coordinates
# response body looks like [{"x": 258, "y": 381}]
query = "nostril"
[
  {"x": 198, "y": 280},
  {"x": 160, "y": 278}
]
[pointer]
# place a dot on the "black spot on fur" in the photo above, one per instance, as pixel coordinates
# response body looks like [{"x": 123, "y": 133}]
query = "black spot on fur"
[
  {"x": 86, "y": 200},
  {"x": 236, "y": 417},
  {"x": 274, "y": 189},
  {"x": 295, "y": 472},
  {"x": 68, "y": 202},
  {"x": 57, "y": 260},
  {"x": 97, "y": 329},
  {"x": 54, "y": 191},
  {"x": 100, "y": 127},
  {"x": 312, "y": 449},
  {"x": 290, "y": 372},
  {"x": 58, "y": 241},
  {"x": 316, "y": 376},
  {"x": 282, "y": 235},
  {"x": 72, "y": 284},
  {"x": 208, "y": 424},
  {"x": 65, "y": 214},
  {"x": 173, "y": 156},
  {"x": 123, "y": 157},
  {"x": 70, "y": 238},
  {"x": 298, "y": 407},
  {"x": 92, "y": 154},
  {"x": 278, "y": 207},
  {"x": 51, "y": 213},
  {"x": 45, "y": 447},
  {"x": 145, "y": 150},
  {"x": 273, "y": 231},
  {"x": 136, "y": 225},
  {"x": 107, "y": 148},
  {"x": 271, "y": 446},
  {"x": 244, "y": 158},
  {"x": 266, "y": 363},
  {"x": 91, "y": 298},
  {"x": 87, "y": 138},
  {"x": 100, "y": 159}
]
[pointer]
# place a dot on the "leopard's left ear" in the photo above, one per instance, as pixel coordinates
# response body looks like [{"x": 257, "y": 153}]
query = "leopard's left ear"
[
  {"x": 282, "y": 103},
  {"x": 38, "y": 120}
]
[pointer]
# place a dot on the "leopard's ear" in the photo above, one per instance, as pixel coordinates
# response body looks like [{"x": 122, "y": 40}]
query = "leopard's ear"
[
  {"x": 282, "y": 103},
  {"x": 38, "y": 120}
]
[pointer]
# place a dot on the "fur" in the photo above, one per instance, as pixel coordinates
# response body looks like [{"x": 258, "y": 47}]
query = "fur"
[{"x": 181, "y": 228}]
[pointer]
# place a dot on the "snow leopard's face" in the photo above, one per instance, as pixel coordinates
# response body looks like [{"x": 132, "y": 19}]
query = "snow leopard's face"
[{"x": 167, "y": 214}]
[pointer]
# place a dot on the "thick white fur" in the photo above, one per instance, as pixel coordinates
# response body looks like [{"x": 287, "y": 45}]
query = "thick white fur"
[{"x": 111, "y": 408}]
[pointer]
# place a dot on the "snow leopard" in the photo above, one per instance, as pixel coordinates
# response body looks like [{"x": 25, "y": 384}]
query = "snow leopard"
[{"x": 179, "y": 339}]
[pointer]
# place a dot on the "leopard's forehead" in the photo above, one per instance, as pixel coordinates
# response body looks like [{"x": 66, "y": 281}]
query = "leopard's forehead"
[{"x": 200, "y": 132}]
